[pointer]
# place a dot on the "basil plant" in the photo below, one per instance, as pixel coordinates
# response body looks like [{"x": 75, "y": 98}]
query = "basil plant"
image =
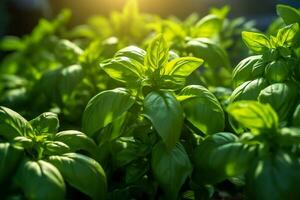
[
  {"x": 145, "y": 125},
  {"x": 37, "y": 162},
  {"x": 264, "y": 158},
  {"x": 271, "y": 75}
]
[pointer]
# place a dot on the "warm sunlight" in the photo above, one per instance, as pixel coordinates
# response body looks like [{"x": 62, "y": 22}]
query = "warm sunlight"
[{"x": 149, "y": 100}]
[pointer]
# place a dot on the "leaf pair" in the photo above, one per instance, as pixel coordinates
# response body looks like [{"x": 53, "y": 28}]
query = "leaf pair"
[
  {"x": 259, "y": 43},
  {"x": 198, "y": 105},
  {"x": 40, "y": 159},
  {"x": 134, "y": 66}
]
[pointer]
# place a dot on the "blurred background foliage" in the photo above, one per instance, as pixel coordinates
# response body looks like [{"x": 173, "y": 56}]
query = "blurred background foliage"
[{"x": 18, "y": 17}]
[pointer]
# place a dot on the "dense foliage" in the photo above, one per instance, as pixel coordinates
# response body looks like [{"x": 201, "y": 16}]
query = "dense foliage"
[{"x": 155, "y": 107}]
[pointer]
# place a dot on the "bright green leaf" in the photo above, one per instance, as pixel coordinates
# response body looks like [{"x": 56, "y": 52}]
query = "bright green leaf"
[
  {"x": 254, "y": 115},
  {"x": 286, "y": 35},
  {"x": 132, "y": 52},
  {"x": 180, "y": 68},
  {"x": 209, "y": 26},
  {"x": 157, "y": 53},
  {"x": 123, "y": 69},
  {"x": 104, "y": 108},
  {"x": 256, "y": 42}
]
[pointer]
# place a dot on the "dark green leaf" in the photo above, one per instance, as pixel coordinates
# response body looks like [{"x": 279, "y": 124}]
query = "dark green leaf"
[
  {"x": 243, "y": 71},
  {"x": 40, "y": 180},
  {"x": 221, "y": 156},
  {"x": 166, "y": 115},
  {"x": 277, "y": 71},
  {"x": 70, "y": 77},
  {"x": 9, "y": 158},
  {"x": 211, "y": 52},
  {"x": 83, "y": 173},
  {"x": 12, "y": 124},
  {"x": 296, "y": 116},
  {"x": 77, "y": 141},
  {"x": 56, "y": 148},
  {"x": 274, "y": 178},
  {"x": 249, "y": 90},
  {"x": 289, "y": 14},
  {"x": 200, "y": 107},
  {"x": 282, "y": 98},
  {"x": 170, "y": 167},
  {"x": 289, "y": 136},
  {"x": 45, "y": 123}
]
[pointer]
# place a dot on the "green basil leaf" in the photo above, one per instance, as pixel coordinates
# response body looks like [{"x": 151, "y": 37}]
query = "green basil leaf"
[
  {"x": 296, "y": 117},
  {"x": 82, "y": 173},
  {"x": 77, "y": 141},
  {"x": 249, "y": 90},
  {"x": 277, "y": 71},
  {"x": 133, "y": 150},
  {"x": 67, "y": 51},
  {"x": 40, "y": 180},
  {"x": 157, "y": 53},
  {"x": 243, "y": 71},
  {"x": 9, "y": 158},
  {"x": 166, "y": 115},
  {"x": 69, "y": 78},
  {"x": 282, "y": 97},
  {"x": 45, "y": 123},
  {"x": 12, "y": 43},
  {"x": 56, "y": 148},
  {"x": 104, "y": 108},
  {"x": 132, "y": 52},
  {"x": 221, "y": 156},
  {"x": 289, "y": 136},
  {"x": 254, "y": 115},
  {"x": 211, "y": 52},
  {"x": 287, "y": 35},
  {"x": 170, "y": 168},
  {"x": 123, "y": 69},
  {"x": 200, "y": 106},
  {"x": 274, "y": 178},
  {"x": 21, "y": 141},
  {"x": 180, "y": 68},
  {"x": 13, "y": 124},
  {"x": 289, "y": 14},
  {"x": 209, "y": 26},
  {"x": 256, "y": 42},
  {"x": 136, "y": 170}
]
